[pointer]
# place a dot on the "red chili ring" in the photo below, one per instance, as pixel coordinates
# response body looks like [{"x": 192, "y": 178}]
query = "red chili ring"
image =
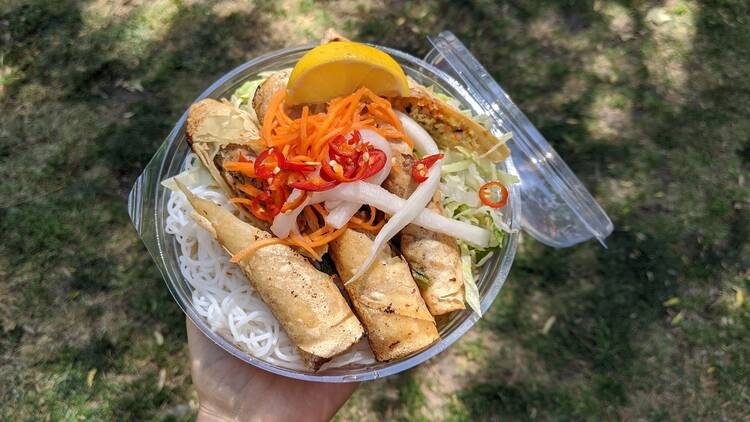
[
  {"x": 265, "y": 170},
  {"x": 420, "y": 175},
  {"x": 484, "y": 191}
]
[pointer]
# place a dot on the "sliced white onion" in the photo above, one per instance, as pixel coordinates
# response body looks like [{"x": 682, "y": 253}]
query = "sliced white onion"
[
  {"x": 417, "y": 201},
  {"x": 378, "y": 197},
  {"x": 414, "y": 205},
  {"x": 338, "y": 216},
  {"x": 284, "y": 222},
  {"x": 342, "y": 213},
  {"x": 367, "y": 193},
  {"x": 422, "y": 140},
  {"x": 454, "y": 228},
  {"x": 331, "y": 205}
]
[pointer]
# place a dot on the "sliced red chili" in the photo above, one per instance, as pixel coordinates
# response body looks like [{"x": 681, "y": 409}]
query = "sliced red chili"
[
  {"x": 279, "y": 180},
  {"x": 418, "y": 174},
  {"x": 314, "y": 185},
  {"x": 278, "y": 198},
  {"x": 375, "y": 163},
  {"x": 259, "y": 210},
  {"x": 350, "y": 168},
  {"x": 340, "y": 147},
  {"x": 250, "y": 190},
  {"x": 328, "y": 173},
  {"x": 420, "y": 167},
  {"x": 349, "y": 173},
  {"x": 265, "y": 165},
  {"x": 431, "y": 159},
  {"x": 486, "y": 190}
]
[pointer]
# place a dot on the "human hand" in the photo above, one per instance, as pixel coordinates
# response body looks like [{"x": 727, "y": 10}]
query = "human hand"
[{"x": 230, "y": 389}]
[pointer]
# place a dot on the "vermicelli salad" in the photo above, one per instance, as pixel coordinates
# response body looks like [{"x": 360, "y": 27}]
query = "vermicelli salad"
[
  {"x": 332, "y": 211},
  {"x": 221, "y": 293}
]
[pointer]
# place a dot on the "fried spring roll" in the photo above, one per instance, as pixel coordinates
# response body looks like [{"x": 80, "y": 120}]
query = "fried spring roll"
[
  {"x": 434, "y": 255},
  {"x": 385, "y": 298},
  {"x": 447, "y": 125},
  {"x": 218, "y": 133},
  {"x": 306, "y": 301}
]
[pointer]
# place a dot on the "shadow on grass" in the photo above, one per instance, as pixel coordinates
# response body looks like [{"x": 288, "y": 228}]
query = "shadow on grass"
[
  {"x": 82, "y": 116},
  {"x": 86, "y": 104},
  {"x": 682, "y": 227}
]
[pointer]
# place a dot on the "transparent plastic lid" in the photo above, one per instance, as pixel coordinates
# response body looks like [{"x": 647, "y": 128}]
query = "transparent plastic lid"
[{"x": 556, "y": 208}]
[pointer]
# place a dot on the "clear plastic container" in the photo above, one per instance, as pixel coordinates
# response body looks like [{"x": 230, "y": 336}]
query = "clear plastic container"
[{"x": 148, "y": 199}]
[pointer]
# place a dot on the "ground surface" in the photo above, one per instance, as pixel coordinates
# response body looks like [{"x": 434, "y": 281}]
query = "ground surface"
[{"x": 647, "y": 101}]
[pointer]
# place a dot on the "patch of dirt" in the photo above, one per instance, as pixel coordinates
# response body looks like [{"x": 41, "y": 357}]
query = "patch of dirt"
[
  {"x": 666, "y": 54},
  {"x": 456, "y": 369}
]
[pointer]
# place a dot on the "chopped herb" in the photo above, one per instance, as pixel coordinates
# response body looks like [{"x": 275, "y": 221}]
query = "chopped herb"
[{"x": 423, "y": 281}]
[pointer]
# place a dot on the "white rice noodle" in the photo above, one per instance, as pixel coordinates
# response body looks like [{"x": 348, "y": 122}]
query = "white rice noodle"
[{"x": 223, "y": 297}]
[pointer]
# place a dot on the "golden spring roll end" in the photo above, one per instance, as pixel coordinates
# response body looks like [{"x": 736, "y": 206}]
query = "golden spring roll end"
[
  {"x": 306, "y": 302},
  {"x": 386, "y": 298}
]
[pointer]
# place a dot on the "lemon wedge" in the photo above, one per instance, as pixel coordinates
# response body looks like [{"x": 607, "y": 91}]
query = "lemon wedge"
[{"x": 339, "y": 68}]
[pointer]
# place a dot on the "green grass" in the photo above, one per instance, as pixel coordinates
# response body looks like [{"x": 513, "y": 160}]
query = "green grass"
[{"x": 646, "y": 101}]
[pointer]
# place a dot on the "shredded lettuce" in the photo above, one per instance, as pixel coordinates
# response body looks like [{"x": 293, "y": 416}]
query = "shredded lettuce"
[
  {"x": 463, "y": 174},
  {"x": 243, "y": 96},
  {"x": 196, "y": 176},
  {"x": 471, "y": 291},
  {"x": 244, "y": 93}
]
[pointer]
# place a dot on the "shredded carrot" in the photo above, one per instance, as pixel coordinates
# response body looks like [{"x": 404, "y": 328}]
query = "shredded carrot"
[
  {"x": 302, "y": 158},
  {"x": 373, "y": 213},
  {"x": 322, "y": 143},
  {"x": 319, "y": 208},
  {"x": 249, "y": 190},
  {"x": 362, "y": 123},
  {"x": 303, "y": 124},
  {"x": 367, "y": 225},
  {"x": 243, "y": 201},
  {"x": 329, "y": 237},
  {"x": 305, "y": 140},
  {"x": 246, "y": 169},
  {"x": 320, "y": 232},
  {"x": 239, "y": 256},
  {"x": 311, "y": 219},
  {"x": 302, "y": 243},
  {"x": 308, "y": 211},
  {"x": 281, "y": 115},
  {"x": 358, "y": 223},
  {"x": 268, "y": 119}
]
